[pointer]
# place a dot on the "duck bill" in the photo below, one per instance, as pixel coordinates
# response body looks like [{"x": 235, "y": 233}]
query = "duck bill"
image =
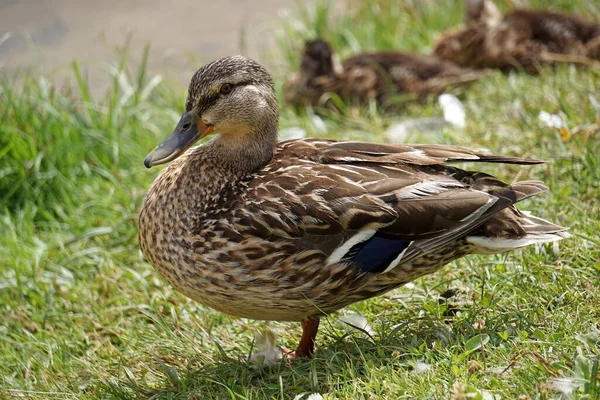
[{"x": 189, "y": 130}]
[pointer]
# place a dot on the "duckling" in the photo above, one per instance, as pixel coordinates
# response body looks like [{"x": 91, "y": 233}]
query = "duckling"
[
  {"x": 296, "y": 230},
  {"x": 520, "y": 39},
  {"x": 363, "y": 77}
]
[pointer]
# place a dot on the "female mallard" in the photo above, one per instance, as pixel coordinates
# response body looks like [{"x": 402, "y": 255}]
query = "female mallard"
[
  {"x": 295, "y": 230},
  {"x": 379, "y": 76},
  {"x": 521, "y": 38}
]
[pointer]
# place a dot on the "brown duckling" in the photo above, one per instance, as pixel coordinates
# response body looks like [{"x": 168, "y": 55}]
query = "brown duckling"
[
  {"x": 520, "y": 39},
  {"x": 380, "y": 76}
]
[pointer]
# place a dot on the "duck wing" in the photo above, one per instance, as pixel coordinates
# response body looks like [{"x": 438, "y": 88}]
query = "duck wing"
[{"x": 373, "y": 204}]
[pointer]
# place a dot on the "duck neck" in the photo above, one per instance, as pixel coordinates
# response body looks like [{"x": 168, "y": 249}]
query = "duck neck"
[{"x": 239, "y": 155}]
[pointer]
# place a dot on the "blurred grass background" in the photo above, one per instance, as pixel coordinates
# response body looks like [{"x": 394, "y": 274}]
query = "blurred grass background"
[{"x": 83, "y": 316}]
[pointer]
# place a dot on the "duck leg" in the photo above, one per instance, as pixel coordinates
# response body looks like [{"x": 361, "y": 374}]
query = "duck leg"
[{"x": 306, "y": 347}]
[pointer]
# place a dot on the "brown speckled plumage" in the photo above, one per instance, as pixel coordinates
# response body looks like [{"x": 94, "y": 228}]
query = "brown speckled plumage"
[
  {"x": 519, "y": 39},
  {"x": 380, "y": 76},
  {"x": 273, "y": 231}
]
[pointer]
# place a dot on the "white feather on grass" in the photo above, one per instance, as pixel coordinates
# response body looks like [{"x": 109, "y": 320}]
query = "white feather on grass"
[
  {"x": 454, "y": 111},
  {"x": 358, "y": 322},
  {"x": 266, "y": 351},
  {"x": 551, "y": 120}
]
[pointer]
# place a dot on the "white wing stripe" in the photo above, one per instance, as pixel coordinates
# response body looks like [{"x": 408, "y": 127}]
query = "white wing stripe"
[
  {"x": 341, "y": 251},
  {"x": 397, "y": 260}
]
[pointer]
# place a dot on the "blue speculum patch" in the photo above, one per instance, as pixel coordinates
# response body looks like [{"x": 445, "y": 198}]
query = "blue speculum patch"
[{"x": 376, "y": 254}]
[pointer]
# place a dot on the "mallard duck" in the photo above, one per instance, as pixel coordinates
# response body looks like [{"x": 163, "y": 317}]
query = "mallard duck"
[
  {"x": 366, "y": 76},
  {"x": 295, "y": 230},
  {"x": 520, "y": 39}
]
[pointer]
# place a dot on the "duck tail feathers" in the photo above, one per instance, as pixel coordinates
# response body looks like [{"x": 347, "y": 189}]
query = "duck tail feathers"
[{"x": 536, "y": 230}]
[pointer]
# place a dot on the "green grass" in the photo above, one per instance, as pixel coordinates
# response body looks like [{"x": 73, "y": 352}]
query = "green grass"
[{"x": 83, "y": 316}]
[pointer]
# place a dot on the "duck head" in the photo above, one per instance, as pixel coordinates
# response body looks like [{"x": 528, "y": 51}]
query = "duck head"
[
  {"x": 232, "y": 97},
  {"x": 482, "y": 13},
  {"x": 317, "y": 58}
]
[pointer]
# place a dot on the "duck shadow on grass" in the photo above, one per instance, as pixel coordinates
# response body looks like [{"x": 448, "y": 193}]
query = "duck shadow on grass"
[{"x": 343, "y": 355}]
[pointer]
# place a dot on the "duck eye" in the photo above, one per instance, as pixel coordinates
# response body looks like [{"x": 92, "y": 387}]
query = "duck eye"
[{"x": 225, "y": 88}]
